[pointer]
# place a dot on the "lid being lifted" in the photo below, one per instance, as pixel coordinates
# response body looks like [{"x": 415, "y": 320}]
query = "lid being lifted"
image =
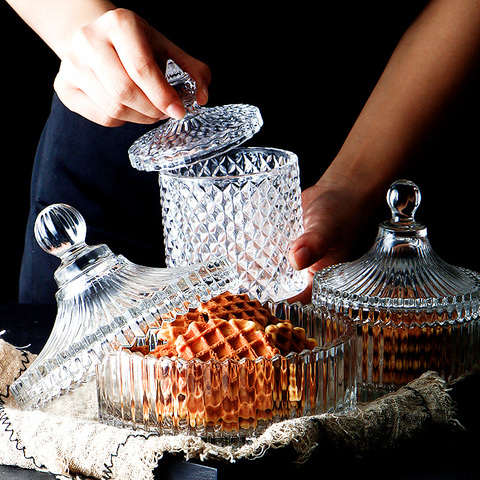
[
  {"x": 201, "y": 134},
  {"x": 104, "y": 301},
  {"x": 401, "y": 274}
]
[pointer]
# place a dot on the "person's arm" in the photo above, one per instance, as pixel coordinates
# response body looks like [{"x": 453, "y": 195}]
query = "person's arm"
[
  {"x": 56, "y": 21},
  {"x": 430, "y": 63},
  {"x": 110, "y": 60}
]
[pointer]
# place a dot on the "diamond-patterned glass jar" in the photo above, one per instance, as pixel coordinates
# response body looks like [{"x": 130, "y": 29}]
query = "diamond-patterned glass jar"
[{"x": 245, "y": 204}]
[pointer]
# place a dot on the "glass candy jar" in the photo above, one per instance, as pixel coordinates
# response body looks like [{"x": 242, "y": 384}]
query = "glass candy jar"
[
  {"x": 230, "y": 400},
  {"x": 414, "y": 312},
  {"x": 221, "y": 199}
]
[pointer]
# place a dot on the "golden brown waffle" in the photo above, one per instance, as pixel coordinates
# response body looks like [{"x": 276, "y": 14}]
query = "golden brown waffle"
[
  {"x": 227, "y": 306},
  {"x": 221, "y": 339},
  {"x": 168, "y": 349},
  {"x": 171, "y": 330},
  {"x": 144, "y": 350},
  {"x": 288, "y": 338}
]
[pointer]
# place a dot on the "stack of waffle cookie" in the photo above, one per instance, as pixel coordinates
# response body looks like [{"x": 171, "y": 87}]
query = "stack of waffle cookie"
[
  {"x": 229, "y": 326},
  {"x": 251, "y": 382}
]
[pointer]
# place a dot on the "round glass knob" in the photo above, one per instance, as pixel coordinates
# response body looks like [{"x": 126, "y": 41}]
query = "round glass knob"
[
  {"x": 403, "y": 198},
  {"x": 59, "y": 228}
]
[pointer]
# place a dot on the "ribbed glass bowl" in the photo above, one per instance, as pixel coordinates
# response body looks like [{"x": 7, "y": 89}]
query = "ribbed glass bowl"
[{"x": 232, "y": 400}]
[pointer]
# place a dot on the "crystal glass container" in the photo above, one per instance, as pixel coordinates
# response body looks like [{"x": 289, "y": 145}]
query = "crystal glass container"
[
  {"x": 414, "y": 312},
  {"x": 227, "y": 401},
  {"x": 244, "y": 203},
  {"x": 202, "y": 133},
  {"x": 104, "y": 301}
]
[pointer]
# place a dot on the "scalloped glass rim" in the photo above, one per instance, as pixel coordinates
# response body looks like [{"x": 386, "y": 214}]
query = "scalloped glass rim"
[
  {"x": 171, "y": 145},
  {"x": 307, "y": 310},
  {"x": 280, "y": 160},
  {"x": 456, "y": 307}
]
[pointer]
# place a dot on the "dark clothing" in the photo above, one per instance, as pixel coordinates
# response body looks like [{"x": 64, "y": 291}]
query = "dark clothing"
[{"x": 86, "y": 166}]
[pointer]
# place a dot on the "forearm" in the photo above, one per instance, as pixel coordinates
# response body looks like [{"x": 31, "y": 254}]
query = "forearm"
[
  {"x": 425, "y": 71},
  {"x": 55, "y": 21}
]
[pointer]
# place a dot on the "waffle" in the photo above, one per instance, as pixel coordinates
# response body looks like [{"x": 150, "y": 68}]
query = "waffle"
[
  {"x": 227, "y": 306},
  {"x": 143, "y": 349},
  {"x": 167, "y": 349},
  {"x": 288, "y": 338},
  {"x": 221, "y": 339},
  {"x": 226, "y": 395},
  {"x": 171, "y": 330}
]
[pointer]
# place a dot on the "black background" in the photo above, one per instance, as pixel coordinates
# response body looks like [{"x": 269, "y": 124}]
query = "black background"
[{"x": 309, "y": 72}]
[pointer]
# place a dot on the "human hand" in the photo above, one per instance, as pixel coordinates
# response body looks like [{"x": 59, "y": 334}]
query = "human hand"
[
  {"x": 331, "y": 216},
  {"x": 110, "y": 74}
]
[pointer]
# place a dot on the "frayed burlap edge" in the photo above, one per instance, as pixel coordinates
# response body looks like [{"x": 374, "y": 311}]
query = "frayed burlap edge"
[{"x": 66, "y": 439}]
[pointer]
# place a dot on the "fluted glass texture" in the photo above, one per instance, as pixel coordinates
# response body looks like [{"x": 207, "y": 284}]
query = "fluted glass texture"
[
  {"x": 414, "y": 311},
  {"x": 104, "y": 301},
  {"x": 244, "y": 204},
  {"x": 231, "y": 400},
  {"x": 95, "y": 315}
]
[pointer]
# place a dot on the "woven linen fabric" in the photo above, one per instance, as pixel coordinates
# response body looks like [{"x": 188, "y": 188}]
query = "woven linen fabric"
[{"x": 66, "y": 439}]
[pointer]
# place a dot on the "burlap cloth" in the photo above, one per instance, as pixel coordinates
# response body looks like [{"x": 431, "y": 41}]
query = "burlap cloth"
[{"x": 66, "y": 439}]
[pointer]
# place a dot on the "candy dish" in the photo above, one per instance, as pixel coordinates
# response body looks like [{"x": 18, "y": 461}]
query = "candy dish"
[
  {"x": 414, "y": 311},
  {"x": 219, "y": 198},
  {"x": 231, "y": 400}
]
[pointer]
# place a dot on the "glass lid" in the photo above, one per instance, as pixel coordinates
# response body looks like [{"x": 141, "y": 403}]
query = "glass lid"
[
  {"x": 104, "y": 301},
  {"x": 401, "y": 272},
  {"x": 201, "y": 134}
]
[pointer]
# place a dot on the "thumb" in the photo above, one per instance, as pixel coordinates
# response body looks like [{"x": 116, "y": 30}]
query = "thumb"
[{"x": 309, "y": 248}]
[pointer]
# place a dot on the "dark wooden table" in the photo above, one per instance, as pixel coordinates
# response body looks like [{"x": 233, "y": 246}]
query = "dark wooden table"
[{"x": 436, "y": 456}]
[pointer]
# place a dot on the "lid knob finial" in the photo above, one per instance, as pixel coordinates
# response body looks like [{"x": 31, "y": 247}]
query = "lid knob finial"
[
  {"x": 59, "y": 228},
  {"x": 184, "y": 85},
  {"x": 403, "y": 198}
]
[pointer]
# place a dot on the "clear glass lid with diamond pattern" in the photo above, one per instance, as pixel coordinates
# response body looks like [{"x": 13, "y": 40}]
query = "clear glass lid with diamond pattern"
[{"x": 202, "y": 133}]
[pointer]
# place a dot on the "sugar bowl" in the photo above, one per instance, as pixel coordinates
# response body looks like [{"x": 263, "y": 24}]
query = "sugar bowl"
[{"x": 414, "y": 312}]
